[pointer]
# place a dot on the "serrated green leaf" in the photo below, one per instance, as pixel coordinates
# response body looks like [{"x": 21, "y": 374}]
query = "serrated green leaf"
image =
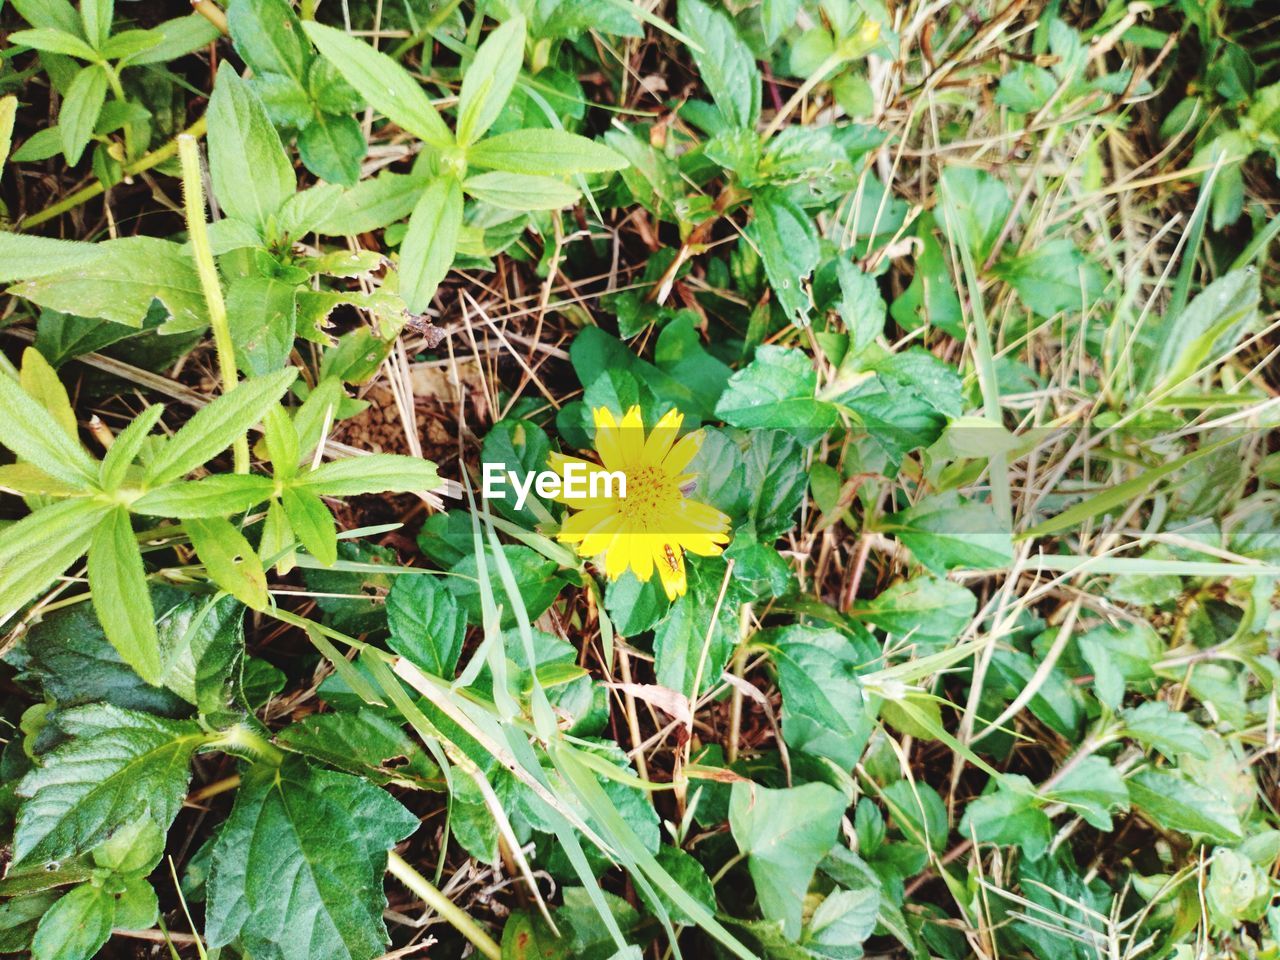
[
  {"x": 364, "y": 742},
  {"x": 776, "y": 391},
  {"x": 725, "y": 63},
  {"x": 926, "y": 608},
  {"x": 944, "y": 532},
  {"x": 118, "y": 766},
  {"x": 329, "y": 833},
  {"x": 427, "y": 626}
]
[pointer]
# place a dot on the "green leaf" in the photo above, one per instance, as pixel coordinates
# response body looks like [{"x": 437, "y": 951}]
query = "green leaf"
[
  {"x": 312, "y": 523},
  {"x": 119, "y": 586},
  {"x": 1175, "y": 803},
  {"x": 1093, "y": 788},
  {"x": 49, "y": 14},
  {"x": 374, "y": 473},
  {"x": 430, "y": 243},
  {"x": 40, "y": 382},
  {"x": 80, "y": 109},
  {"x": 370, "y": 205},
  {"x": 117, "y": 280},
  {"x": 364, "y": 742},
  {"x": 520, "y": 191},
  {"x": 784, "y": 833},
  {"x": 860, "y": 306},
  {"x": 689, "y": 646},
  {"x": 843, "y": 921},
  {"x": 68, "y": 656},
  {"x": 386, "y": 85},
  {"x": 1009, "y": 816},
  {"x": 118, "y": 766},
  {"x": 178, "y": 37},
  {"x": 926, "y": 608},
  {"x": 19, "y": 917},
  {"x": 427, "y": 626},
  {"x": 268, "y": 34},
  {"x": 725, "y": 63},
  {"x": 788, "y": 247},
  {"x": 8, "y": 113},
  {"x": 1208, "y": 327},
  {"x": 220, "y": 495},
  {"x": 251, "y": 173},
  {"x": 776, "y": 390},
  {"x": 823, "y": 710},
  {"x": 32, "y": 434},
  {"x": 489, "y": 79},
  {"x": 1154, "y": 724},
  {"x": 54, "y": 40},
  {"x": 262, "y": 314},
  {"x": 553, "y": 153},
  {"x": 945, "y": 532},
  {"x": 975, "y": 206},
  {"x": 201, "y": 644},
  {"x": 1120, "y": 654},
  {"x": 537, "y": 578},
  {"x": 137, "y": 907},
  {"x": 229, "y": 560},
  {"x": 76, "y": 926},
  {"x": 96, "y": 15},
  {"x": 328, "y": 833},
  {"x": 128, "y": 444},
  {"x": 332, "y": 148},
  {"x": 216, "y": 426},
  {"x": 41, "y": 546},
  {"x": 1053, "y": 277}
]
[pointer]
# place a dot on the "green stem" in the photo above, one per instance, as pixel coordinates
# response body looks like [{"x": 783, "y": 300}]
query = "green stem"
[
  {"x": 240, "y": 738},
  {"x": 437, "y": 901},
  {"x": 141, "y": 165},
  {"x": 193, "y": 197}
]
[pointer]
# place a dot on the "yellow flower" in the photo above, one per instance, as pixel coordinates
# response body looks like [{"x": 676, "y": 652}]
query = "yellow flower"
[{"x": 652, "y": 526}]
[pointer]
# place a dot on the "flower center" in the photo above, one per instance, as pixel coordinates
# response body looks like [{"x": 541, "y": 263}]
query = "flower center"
[{"x": 650, "y": 498}]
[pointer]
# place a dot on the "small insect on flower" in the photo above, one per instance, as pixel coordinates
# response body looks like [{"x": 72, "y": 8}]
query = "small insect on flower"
[{"x": 654, "y": 524}]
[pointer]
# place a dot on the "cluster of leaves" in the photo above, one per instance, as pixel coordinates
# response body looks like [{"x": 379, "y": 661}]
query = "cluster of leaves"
[{"x": 929, "y": 559}]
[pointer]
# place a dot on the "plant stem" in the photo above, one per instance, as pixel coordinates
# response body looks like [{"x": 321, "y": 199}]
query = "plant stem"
[
  {"x": 193, "y": 197},
  {"x": 141, "y": 165},
  {"x": 213, "y": 13},
  {"x": 437, "y": 901}
]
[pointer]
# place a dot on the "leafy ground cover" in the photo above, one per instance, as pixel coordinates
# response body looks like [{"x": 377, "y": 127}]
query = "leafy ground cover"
[{"x": 935, "y": 342}]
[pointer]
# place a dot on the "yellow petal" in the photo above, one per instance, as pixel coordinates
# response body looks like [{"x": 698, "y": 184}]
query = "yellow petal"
[
  {"x": 631, "y": 439},
  {"x": 664, "y": 434},
  {"x": 683, "y": 452},
  {"x": 608, "y": 439},
  {"x": 618, "y": 557},
  {"x": 674, "y": 581}
]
